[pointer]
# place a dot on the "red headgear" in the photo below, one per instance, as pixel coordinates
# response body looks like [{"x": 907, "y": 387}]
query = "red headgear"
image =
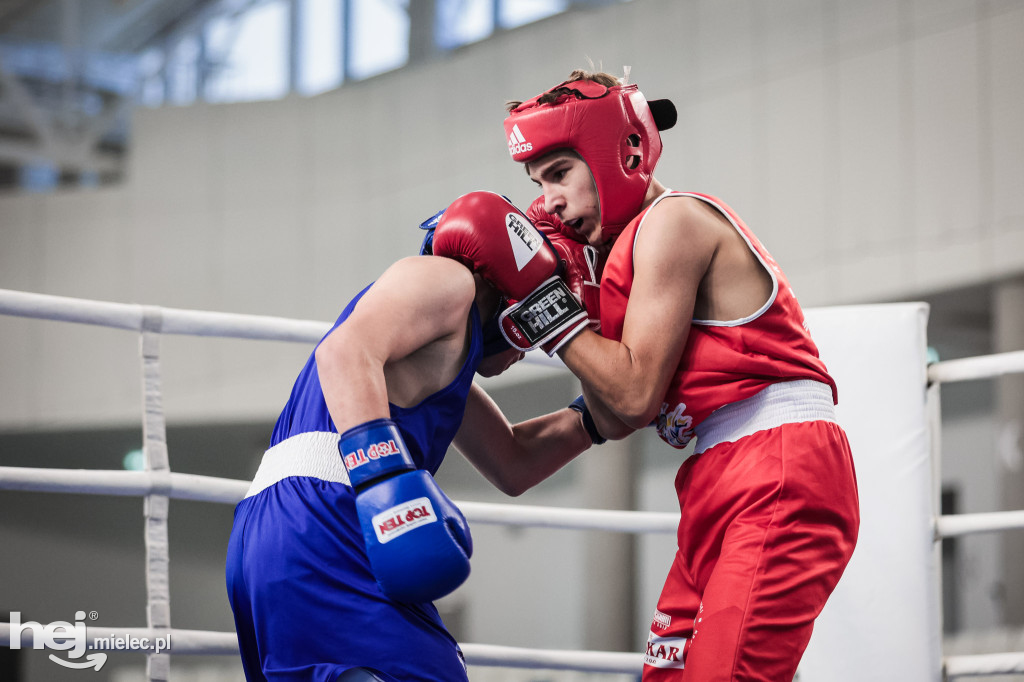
[{"x": 614, "y": 130}]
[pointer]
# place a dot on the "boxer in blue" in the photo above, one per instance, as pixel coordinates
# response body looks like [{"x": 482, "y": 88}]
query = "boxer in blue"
[{"x": 344, "y": 538}]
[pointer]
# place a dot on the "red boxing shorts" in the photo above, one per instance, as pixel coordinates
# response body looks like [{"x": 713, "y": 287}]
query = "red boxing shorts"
[{"x": 768, "y": 525}]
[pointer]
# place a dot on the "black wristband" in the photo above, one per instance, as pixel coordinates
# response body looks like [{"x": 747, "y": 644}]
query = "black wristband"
[{"x": 580, "y": 405}]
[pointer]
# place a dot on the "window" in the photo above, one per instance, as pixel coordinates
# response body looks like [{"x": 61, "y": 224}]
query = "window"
[
  {"x": 248, "y": 54},
  {"x": 320, "y": 46},
  {"x": 380, "y": 37}
]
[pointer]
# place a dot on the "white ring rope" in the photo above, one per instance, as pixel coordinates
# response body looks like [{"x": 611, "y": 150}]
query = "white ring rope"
[
  {"x": 162, "y": 484},
  {"x": 984, "y": 664},
  {"x": 230, "y": 491},
  {"x": 951, "y": 526},
  {"x": 553, "y": 659},
  {"x": 125, "y": 483},
  {"x": 175, "y": 321},
  {"x": 184, "y": 641},
  {"x": 268, "y": 328},
  {"x": 202, "y": 642},
  {"x": 981, "y": 367}
]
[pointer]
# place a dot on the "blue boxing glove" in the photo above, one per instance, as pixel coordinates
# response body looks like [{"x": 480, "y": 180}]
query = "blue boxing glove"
[{"x": 417, "y": 540}]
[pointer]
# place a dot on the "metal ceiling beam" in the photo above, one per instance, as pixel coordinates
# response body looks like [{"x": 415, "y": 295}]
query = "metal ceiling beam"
[
  {"x": 12, "y": 10},
  {"x": 13, "y": 91},
  {"x": 69, "y": 158},
  {"x": 70, "y": 143},
  {"x": 116, "y": 27}
]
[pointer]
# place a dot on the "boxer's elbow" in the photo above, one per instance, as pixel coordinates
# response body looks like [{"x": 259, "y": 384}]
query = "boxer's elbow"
[
  {"x": 631, "y": 387},
  {"x": 331, "y": 357},
  {"x": 505, "y": 472},
  {"x": 637, "y": 420},
  {"x": 637, "y": 407},
  {"x": 509, "y": 482},
  {"x": 616, "y": 430},
  {"x": 520, "y": 474},
  {"x": 514, "y": 488}
]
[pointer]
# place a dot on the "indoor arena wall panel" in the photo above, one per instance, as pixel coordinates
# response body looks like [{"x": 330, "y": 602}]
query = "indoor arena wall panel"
[
  {"x": 940, "y": 15},
  {"x": 82, "y": 376},
  {"x": 864, "y": 25},
  {"x": 87, "y": 243},
  {"x": 728, "y": 124},
  {"x": 175, "y": 259},
  {"x": 726, "y": 45},
  {"x": 870, "y": 155},
  {"x": 796, "y": 127},
  {"x": 1004, "y": 60},
  {"x": 264, "y": 258},
  {"x": 21, "y": 257},
  {"x": 263, "y": 154},
  {"x": 18, "y": 339},
  {"x": 171, "y": 161},
  {"x": 946, "y": 170},
  {"x": 781, "y": 20},
  {"x": 1006, "y": 245},
  {"x": 875, "y": 272}
]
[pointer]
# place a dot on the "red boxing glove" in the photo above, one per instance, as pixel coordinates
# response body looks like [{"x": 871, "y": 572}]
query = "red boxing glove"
[
  {"x": 492, "y": 237},
  {"x": 548, "y": 223},
  {"x": 581, "y": 268},
  {"x": 484, "y": 231}
]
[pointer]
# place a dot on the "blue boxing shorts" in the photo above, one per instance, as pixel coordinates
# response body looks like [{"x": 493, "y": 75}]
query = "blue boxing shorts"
[{"x": 306, "y": 604}]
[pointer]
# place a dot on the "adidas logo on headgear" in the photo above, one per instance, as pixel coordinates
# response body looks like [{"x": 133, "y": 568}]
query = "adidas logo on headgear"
[{"x": 517, "y": 143}]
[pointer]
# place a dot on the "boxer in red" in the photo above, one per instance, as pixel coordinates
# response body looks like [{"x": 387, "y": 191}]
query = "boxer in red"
[{"x": 702, "y": 337}]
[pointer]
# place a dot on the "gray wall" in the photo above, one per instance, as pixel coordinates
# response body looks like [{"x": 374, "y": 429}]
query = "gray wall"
[{"x": 874, "y": 146}]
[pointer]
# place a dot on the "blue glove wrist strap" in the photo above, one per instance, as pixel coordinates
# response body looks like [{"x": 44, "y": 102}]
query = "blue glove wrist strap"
[
  {"x": 580, "y": 406},
  {"x": 372, "y": 450}
]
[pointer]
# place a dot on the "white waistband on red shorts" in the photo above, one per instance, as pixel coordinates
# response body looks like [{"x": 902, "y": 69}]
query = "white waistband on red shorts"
[
  {"x": 314, "y": 454},
  {"x": 787, "y": 402}
]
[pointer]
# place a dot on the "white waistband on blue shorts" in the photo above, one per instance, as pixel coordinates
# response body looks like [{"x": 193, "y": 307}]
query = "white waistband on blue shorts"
[
  {"x": 314, "y": 454},
  {"x": 787, "y": 402}
]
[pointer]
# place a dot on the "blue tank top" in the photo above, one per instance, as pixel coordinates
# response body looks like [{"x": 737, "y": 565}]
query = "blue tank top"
[{"x": 428, "y": 427}]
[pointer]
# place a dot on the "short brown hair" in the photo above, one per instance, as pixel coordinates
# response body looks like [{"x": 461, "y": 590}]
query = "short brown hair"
[{"x": 605, "y": 79}]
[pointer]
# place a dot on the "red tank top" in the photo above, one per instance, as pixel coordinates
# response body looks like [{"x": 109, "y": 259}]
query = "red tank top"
[{"x": 723, "y": 361}]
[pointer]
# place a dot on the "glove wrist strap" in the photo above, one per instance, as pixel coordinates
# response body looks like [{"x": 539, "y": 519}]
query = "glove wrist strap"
[
  {"x": 547, "y": 311},
  {"x": 373, "y": 450}
]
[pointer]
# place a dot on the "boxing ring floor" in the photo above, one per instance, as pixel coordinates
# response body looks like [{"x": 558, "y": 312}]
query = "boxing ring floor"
[{"x": 895, "y": 439}]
